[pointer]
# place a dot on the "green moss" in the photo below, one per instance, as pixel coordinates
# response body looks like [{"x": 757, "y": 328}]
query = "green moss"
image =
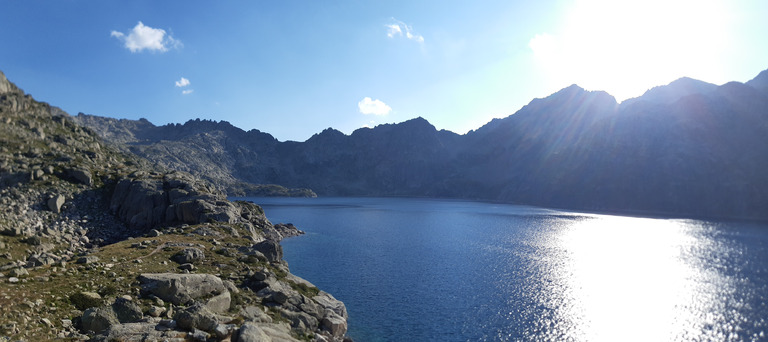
[
  {"x": 108, "y": 290},
  {"x": 309, "y": 291},
  {"x": 280, "y": 274}
]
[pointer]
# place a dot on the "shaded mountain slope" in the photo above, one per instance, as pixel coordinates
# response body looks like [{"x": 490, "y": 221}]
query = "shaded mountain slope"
[
  {"x": 216, "y": 151},
  {"x": 686, "y": 148}
]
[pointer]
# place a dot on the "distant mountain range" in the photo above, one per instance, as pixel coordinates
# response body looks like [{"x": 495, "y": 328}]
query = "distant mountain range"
[{"x": 689, "y": 148}]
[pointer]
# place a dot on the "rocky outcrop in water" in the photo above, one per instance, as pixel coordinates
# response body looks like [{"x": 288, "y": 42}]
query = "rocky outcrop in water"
[{"x": 99, "y": 245}]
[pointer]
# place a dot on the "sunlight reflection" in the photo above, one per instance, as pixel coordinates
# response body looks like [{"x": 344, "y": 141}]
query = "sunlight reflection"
[{"x": 628, "y": 279}]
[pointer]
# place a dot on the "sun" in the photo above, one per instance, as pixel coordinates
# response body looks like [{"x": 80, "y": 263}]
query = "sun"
[{"x": 626, "y": 47}]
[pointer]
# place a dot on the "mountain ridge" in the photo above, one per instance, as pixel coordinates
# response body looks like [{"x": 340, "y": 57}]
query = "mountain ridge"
[{"x": 573, "y": 149}]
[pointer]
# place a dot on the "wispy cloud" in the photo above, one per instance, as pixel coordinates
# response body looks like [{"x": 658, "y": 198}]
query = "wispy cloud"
[
  {"x": 183, "y": 82},
  {"x": 398, "y": 28},
  {"x": 143, "y": 37},
  {"x": 371, "y": 106}
]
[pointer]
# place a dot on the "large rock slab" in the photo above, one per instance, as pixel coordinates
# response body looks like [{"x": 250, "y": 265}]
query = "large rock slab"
[
  {"x": 271, "y": 249},
  {"x": 196, "y": 317},
  {"x": 98, "y": 319},
  {"x": 140, "y": 332},
  {"x": 220, "y": 303},
  {"x": 250, "y": 332},
  {"x": 181, "y": 288},
  {"x": 127, "y": 311}
]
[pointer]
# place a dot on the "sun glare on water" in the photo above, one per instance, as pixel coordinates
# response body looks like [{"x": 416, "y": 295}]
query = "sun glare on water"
[
  {"x": 625, "y": 47},
  {"x": 633, "y": 279}
]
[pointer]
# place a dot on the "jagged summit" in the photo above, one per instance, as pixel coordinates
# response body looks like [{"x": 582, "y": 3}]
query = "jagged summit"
[
  {"x": 6, "y": 86},
  {"x": 760, "y": 82},
  {"x": 673, "y": 91},
  {"x": 327, "y": 134}
]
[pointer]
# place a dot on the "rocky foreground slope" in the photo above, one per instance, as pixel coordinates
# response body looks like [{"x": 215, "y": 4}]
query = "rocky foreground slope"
[{"x": 98, "y": 245}]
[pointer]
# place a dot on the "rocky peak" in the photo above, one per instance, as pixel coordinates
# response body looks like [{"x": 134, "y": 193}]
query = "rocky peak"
[
  {"x": 760, "y": 82},
  {"x": 328, "y": 134},
  {"x": 6, "y": 86},
  {"x": 673, "y": 91}
]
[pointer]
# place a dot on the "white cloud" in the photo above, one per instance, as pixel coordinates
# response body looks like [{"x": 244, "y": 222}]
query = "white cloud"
[
  {"x": 393, "y": 30},
  {"x": 375, "y": 107},
  {"x": 398, "y": 28},
  {"x": 183, "y": 82},
  {"x": 187, "y": 91},
  {"x": 143, "y": 37}
]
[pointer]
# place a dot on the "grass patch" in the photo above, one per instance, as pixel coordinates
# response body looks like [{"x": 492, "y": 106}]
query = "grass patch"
[{"x": 309, "y": 291}]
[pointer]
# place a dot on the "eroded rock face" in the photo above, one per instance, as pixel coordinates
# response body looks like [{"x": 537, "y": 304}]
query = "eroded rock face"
[
  {"x": 181, "y": 288},
  {"x": 271, "y": 250},
  {"x": 146, "y": 201}
]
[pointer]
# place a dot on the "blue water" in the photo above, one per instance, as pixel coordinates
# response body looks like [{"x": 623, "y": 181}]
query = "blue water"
[{"x": 442, "y": 270}]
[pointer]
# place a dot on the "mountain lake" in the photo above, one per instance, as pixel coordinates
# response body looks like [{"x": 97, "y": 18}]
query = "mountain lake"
[{"x": 451, "y": 270}]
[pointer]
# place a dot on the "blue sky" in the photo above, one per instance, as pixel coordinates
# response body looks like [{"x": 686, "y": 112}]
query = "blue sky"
[{"x": 293, "y": 68}]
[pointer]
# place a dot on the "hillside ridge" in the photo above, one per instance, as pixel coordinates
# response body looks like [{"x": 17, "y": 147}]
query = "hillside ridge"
[
  {"x": 102, "y": 245},
  {"x": 688, "y": 148}
]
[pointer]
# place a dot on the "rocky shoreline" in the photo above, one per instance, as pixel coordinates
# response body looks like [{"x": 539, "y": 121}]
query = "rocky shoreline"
[{"x": 97, "y": 244}]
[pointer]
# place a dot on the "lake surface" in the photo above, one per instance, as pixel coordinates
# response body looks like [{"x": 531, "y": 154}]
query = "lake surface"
[{"x": 442, "y": 270}]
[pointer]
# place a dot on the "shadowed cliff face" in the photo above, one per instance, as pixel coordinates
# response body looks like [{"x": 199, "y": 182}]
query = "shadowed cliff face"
[{"x": 687, "y": 148}]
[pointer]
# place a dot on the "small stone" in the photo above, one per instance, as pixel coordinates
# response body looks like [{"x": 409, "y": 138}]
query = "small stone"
[
  {"x": 27, "y": 305},
  {"x": 98, "y": 319},
  {"x": 199, "y": 335},
  {"x": 189, "y": 255},
  {"x": 154, "y": 233},
  {"x": 85, "y": 300},
  {"x": 187, "y": 267},
  {"x": 34, "y": 240},
  {"x": 19, "y": 272},
  {"x": 126, "y": 310},
  {"x": 224, "y": 330},
  {"x": 55, "y": 203},
  {"x": 88, "y": 259},
  {"x": 13, "y": 280},
  {"x": 37, "y": 174},
  {"x": 250, "y": 332},
  {"x": 156, "y": 311},
  {"x": 82, "y": 176},
  {"x": 47, "y": 322}
]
